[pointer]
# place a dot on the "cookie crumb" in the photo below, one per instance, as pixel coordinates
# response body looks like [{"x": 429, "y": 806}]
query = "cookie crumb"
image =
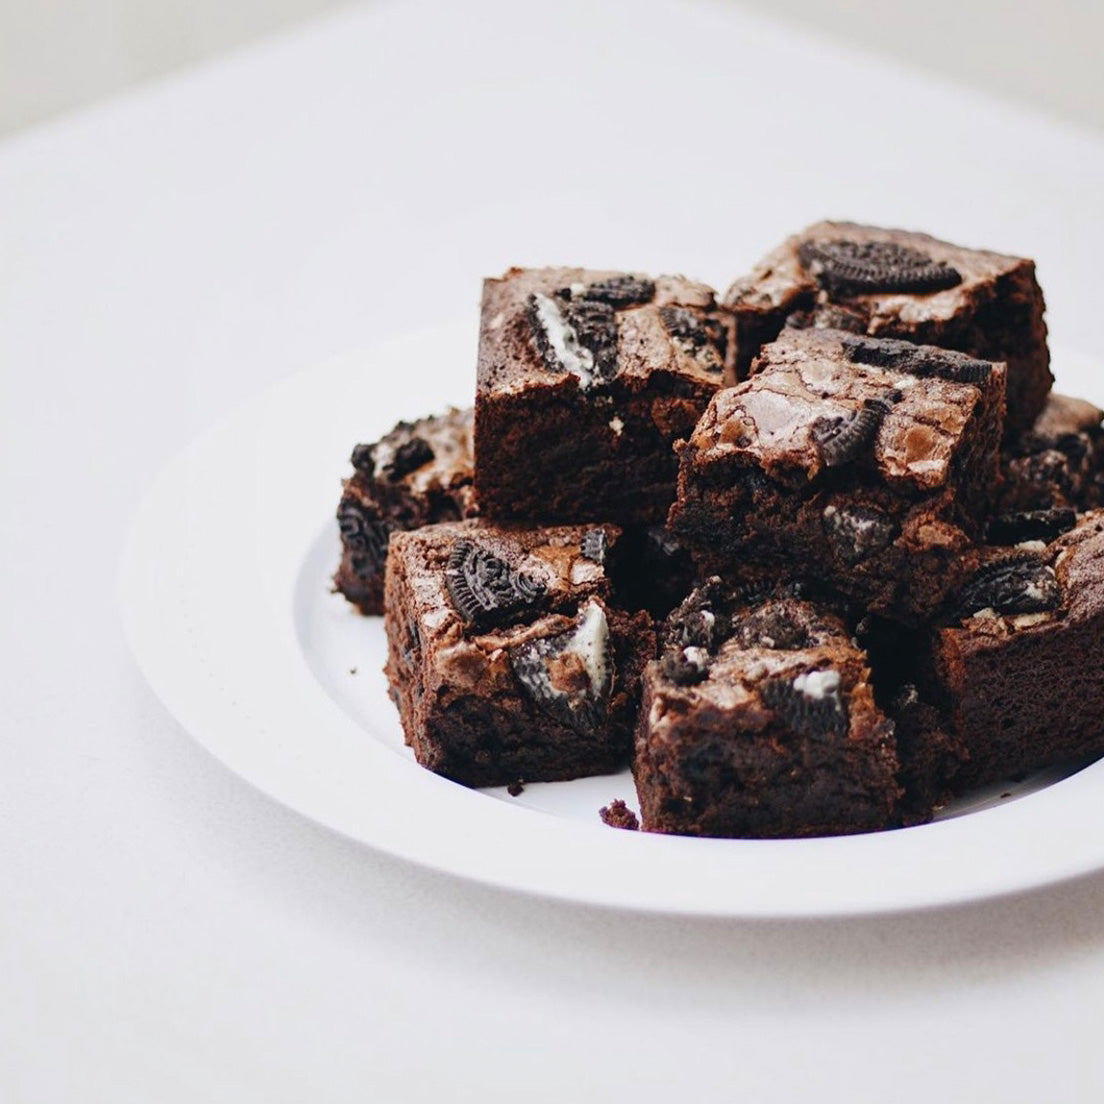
[
  {"x": 618, "y": 815},
  {"x": 515, "y": 788}
]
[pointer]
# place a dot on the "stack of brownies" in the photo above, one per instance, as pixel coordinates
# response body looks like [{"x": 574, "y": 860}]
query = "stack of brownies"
[{"x": 814, "y": 558}]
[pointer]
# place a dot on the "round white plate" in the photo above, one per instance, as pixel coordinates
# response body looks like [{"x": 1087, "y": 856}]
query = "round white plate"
[{"x": 227, "y": 606}]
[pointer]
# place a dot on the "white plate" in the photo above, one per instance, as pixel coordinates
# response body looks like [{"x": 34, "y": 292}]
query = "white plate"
[{"x": 226, "y": 602}]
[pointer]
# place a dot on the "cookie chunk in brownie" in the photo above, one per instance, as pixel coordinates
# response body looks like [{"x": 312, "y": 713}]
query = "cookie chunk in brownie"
[
  {"x": 505, "y": 657},
  {"x": 892, "y": 283},
  {"x": 759, "y": 721},
  {"x": 1014, "y": 664},
  {"x": 865, "y": 463},
  {"x": 420, "y": 473},
  {"x": 1050, "y": 472},
  {"x": 585, "y": 381}
]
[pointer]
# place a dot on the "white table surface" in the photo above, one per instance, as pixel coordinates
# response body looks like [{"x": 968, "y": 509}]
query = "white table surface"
[{"x": 166, "y": 933}]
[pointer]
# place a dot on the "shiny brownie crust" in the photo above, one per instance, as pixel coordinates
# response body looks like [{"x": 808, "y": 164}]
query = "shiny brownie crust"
[
  {"x": 585, "y": 381},
  {"x": 867, "y": 464},
  {"x": 993, "y": 311},
  {"x": 506, "y": 658}
]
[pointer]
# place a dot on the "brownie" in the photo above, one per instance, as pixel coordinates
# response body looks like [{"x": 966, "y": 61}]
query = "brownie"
[
  {"x": 759, "y": 721},
  {"x": 1051, "y": 471},
  {"x": 865, "y": 463},
  {"x": 506, "y": 658},
  {"x": 1013, "y": 663},
  {"x": 418, "y": 474},
  {"x": 893, "y": 283},
  {"x": 585, "y": 381}
]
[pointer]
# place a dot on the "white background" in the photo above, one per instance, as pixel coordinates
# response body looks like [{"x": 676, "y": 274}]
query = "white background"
[
  {"x": 166, "y": 934},
  {"x": 58, "y": 54}
]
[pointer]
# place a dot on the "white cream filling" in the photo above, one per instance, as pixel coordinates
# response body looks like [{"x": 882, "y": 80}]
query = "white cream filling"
[
  {"x": 1026, "y": 620},
  {"x": 818, "y": 684},
  {"x": 590, "y": 642},
  {"x": 569, "y": 351},
  {"x": 383, "y": 455}
]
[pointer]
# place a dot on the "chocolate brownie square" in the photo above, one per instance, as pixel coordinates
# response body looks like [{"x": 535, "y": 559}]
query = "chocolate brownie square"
[
  {"x": 759, "y": 721},
  {"x": 506, "y": 658},
  {"x": 865, "y": 463},
  {"x": 585, "y": 381},
  {"x": 418, "y": 474},
  {"x": 1014, "y": 664},
  {"x": 1050, "y": 472},
  {"x": 892, "y": 283}
]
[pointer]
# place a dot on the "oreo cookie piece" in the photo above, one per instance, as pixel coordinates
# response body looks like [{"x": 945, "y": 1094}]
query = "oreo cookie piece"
[
  {"x": 846, "y": 267},
  {"x": 685, "y": 666},
  {"x": 399, "y": 453},
  {"x": 1019, "y": 584},
  {"x": 579, "y": 337},
  {"x": 408, "y": 457},
  {"x": 363, "y": 536},
  {"x": 363, "y": 458},
  {"x": 485, "y": 589},
  {"x": 1031, "y": 525},
  {"x": 698, "y": 335},
  {"x": 701, "y": 620},
  {"x": 854, "y": 532},
  {"x": 570, "y": 675},
  {"x": 778, "y": 625},
  {"x": 809, "y": 704},
  {"x": 594, "y": 546},
  {"x": 843, "y": 439},
  {"x": 916, "y": 360},
  {"x": 619, "y": 291}
]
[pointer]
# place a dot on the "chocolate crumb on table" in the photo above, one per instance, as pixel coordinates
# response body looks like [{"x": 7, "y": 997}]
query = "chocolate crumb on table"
[
  {"x": 585, "y": 381},
  {"x": 894, "y": 283},
  {"x": 865, "y": 463},
  {"x": 505, "y": 656},
  {"x": 618, "y": 815},
  {"x": 418, "y": 474}
]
